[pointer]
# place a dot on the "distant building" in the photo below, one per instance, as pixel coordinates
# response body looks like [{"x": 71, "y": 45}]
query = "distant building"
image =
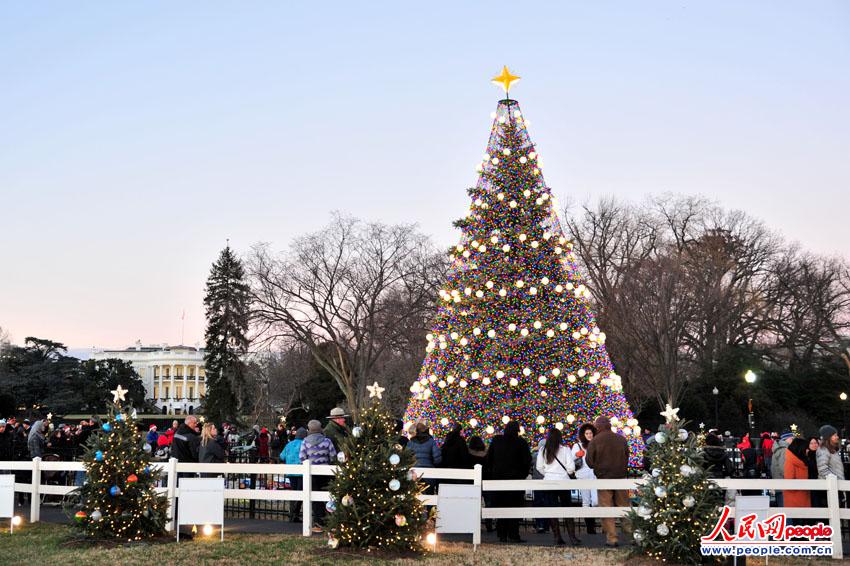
[{"x": 173, "y": 376}]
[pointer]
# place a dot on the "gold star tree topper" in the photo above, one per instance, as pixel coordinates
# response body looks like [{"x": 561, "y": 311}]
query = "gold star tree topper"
[
  {"x": 670, "y": 413},
  {"x": 118, "y": 393},
  {"x": 375, "y": 390},
  {"x": 505, "y": 79}
]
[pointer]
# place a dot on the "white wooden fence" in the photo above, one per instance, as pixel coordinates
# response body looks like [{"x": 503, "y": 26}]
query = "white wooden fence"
[{"x": 832, "y": 514}]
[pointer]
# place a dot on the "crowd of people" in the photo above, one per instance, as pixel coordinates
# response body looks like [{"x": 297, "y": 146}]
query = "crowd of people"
[{"x": 595, "y": 453}]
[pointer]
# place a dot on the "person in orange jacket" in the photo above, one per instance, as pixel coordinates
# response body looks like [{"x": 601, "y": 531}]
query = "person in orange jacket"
[{"x": 796, "y": 468}]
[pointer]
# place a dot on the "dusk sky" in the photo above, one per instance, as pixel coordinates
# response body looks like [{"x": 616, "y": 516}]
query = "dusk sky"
[{"x": 136, "y": 137}]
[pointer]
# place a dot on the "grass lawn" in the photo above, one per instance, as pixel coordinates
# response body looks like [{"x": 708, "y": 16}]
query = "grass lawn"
[{"x": 43, "y": 543}]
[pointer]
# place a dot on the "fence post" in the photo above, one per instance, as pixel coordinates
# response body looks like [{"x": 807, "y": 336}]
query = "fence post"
[
  {"x": 35, "y": 494},
  {"x": 306, "y": 504},
  {"x": 834, "y": 515},
  {"x": 172, "y": 493},
  {"x": 476, "y": 480}
]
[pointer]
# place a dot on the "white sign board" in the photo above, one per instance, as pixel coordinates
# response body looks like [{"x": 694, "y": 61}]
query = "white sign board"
[
  {"x": 200, "y": 502},
  {"x": 7, "y": 496},
  {"x": 459, "y": 508},
  {"x": 749, "y": 505}
]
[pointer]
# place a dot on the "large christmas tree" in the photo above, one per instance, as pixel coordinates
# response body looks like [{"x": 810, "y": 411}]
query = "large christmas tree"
[
  {"x": 119, "y": 498},
  {"x": 514, "y": 337},
  {"x": 375, "y": 494}
]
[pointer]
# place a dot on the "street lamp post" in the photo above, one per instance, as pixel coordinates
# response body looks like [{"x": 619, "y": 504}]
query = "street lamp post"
[
  {"x": 843, "y": 397},
  {"x": 750, "y": 377},
  {"x": 716, "y": 392}
]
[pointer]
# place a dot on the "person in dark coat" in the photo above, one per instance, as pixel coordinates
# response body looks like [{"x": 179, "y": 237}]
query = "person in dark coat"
[
  {"x": 478, "y": 455},
  {"x": 427, "y": 453},
  {"x": 399, "y": 430},
  {"x": 337, "y": 427},
  {"x": 184, "y": 445},
  {"x": 608, "y": 455},
  {"x": 5, "y": 442},
  {"x": 718, "y": 465},
  {"x": 277, "y": 443},
  {"x": 813, "y": 443},
  {"x": 477, "y": 451},
  {"x": 508, "y": 458},
  {"x": 210, "y": 451},
  {"x": 455, "y": 453}
]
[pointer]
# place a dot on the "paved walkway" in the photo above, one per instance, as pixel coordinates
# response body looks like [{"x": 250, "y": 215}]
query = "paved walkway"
[{"x": 52, "y": 514}]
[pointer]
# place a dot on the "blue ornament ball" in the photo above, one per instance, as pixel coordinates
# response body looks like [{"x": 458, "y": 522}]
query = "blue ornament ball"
[
  {"x": 98, "y": 456},
  {"x": 107, "y": 427},
  {"x": 330, "y": 506},
  {"x": 114, "y": 490},
  {"x": 119, "y": 417},
  {"x": 148, "y": 470}
]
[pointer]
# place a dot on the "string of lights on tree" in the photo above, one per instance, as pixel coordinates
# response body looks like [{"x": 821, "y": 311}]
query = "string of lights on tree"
[
  {"x": 515, "y": 337},
  {"x": 119, "y": 499},
  {"x": 375, "y": 492},
  {"x": 677, "y": 503}
]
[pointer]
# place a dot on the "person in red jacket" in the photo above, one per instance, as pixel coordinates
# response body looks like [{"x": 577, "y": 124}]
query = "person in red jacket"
[
  {"x": 766, "y": 452},
  {"x": 263, "y": 445}
]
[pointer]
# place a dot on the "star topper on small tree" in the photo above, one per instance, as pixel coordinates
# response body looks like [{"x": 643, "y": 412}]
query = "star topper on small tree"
[
  {"x": 670, "y": 414},
  {"x": 118, "y": 394},
  {"x": 375, "y": 390}
]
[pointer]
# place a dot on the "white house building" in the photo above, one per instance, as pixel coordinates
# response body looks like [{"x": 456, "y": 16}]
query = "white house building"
[{"x": 173, "y": 376}]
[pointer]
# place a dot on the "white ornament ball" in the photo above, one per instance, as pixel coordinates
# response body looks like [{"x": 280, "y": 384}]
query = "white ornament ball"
[
  {"x": 394, "y": 485},
  {"x": 644, "y": 511},
  {"x": 638, "y": 536},
  {"x": 660, "y": 437},
  {"x": 662, "y": 530},
  {"x": 688, "y": 501},
  {"x": 340, "y": 456},
  {"x": 686, "y": 470},
  {"x": 333, "y": 542},
  {"x": 660, "y": 491},
  {"x": 96, "y": 515},
  {"x": 146, "y": 447},
  {"x": 656, "y": 472},
  {"x": 394, "y": 459},
  {"x": 683, "y": 435},
  {"x": 356, "y": 432},
  {"x": 347, "y": 501}
]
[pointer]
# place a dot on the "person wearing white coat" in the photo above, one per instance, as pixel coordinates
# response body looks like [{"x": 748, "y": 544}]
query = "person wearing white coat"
[
  {"x": 555, "y": 462},
  {"x": 585, "y": 472}
]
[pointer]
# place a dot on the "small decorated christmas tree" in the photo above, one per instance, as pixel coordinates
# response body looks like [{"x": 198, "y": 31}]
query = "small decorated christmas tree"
[
  {"x": 677, "y": 504},
  {"x": 375, "y": 493},
  {"x": 118, "y": 500}
]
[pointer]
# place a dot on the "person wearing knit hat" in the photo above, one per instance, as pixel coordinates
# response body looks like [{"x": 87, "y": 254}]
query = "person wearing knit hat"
[
  {"x": 828, "y": 457},
  {"x": 319, "y": 450}
]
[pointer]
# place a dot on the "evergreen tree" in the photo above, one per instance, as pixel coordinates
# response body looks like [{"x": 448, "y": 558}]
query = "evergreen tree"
[
  {"x": 677, "y": 503},
  {"x": 515, "y": 337},
  {"x": 119, "y": 499},
  {"x": 375, "y": 493},
  {"x": 227, "y": 303}
]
